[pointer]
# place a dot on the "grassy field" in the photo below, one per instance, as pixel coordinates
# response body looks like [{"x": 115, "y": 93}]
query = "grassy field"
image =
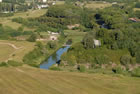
[
  {"x": 25, "y": 80},
  {"x": 75, "y": 35},
  {"x": 97, "y": 5},
  {"x": 14, "y": 50},
  {"x": 6, "y": 21}
]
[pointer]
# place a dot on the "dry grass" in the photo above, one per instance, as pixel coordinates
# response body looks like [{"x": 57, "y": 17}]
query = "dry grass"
[
  {"x": 8, "y": 52},
  {"x": 7, "y": 21},
  {"x": 25, "y": 80},
  {"x": 96, "y": 5}
]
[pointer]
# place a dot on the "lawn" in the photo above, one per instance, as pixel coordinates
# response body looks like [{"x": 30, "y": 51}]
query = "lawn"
[
  {"x": 97, "y": 5},
  {"x": 25, "y": 80},
  {"x": 14, "y": 50}
]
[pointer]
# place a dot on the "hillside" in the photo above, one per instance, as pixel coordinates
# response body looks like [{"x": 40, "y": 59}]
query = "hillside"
[{"x": 24, "y": 80}]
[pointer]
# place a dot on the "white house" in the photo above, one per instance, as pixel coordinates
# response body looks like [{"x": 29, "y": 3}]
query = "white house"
[
  {"x": 0, "y": 0},
  {"x": 97, "y": 43}
]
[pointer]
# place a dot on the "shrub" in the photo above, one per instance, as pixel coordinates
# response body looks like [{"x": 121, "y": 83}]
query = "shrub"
[
  {"x": 81, "y": 68},
  {"x": 14, "y": 63},
  {"x": 3, "y": 64},
  {"x": 136, "y": 72},
  {"x": 102, "y": 59},
  {"x": 125, "y": 60},
  {"x": 55, "y": 68},
  {"x": 137, "y": 5},
  {"x": 32, "y": 38}
]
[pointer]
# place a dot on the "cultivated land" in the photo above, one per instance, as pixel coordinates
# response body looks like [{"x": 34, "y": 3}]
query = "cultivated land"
[
  {"x": 14, "y": 50},
  {"x": 24, "y": 80}
]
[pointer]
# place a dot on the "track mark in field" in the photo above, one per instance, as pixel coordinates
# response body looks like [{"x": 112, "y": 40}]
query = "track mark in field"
[
  {"x": 12, "y": 45},
  {"x": 19, "y": 70}
]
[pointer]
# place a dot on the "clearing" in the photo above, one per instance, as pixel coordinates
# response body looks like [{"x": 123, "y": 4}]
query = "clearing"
[
  {"x": 25, "y": 80},
  {"x": 98, "y": 4}
]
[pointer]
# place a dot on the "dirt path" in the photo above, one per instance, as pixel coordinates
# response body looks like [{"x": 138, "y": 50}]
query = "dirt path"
[{"x": 12, "y": 45}]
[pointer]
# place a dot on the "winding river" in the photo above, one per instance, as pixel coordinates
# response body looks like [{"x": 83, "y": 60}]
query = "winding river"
[{"x": 54, "y": 58}]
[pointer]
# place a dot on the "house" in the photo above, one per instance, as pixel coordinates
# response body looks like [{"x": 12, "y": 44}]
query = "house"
[
  {"x": 53, "y": 37},
  {"x": 0, "y": 1},
  {"x": 97, "y": 43}
]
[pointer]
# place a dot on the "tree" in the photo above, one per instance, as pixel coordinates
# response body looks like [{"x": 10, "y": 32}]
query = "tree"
[
  {"x": 88, "y": 40},
  {"x": 138, "y": 55},
  {"x": 32, "y": 38},
  {"x": 125, "y": 60}
]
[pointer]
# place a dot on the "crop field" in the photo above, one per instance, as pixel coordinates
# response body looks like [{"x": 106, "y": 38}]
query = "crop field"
[
  {"x": 98, "y": 5},
  {"x": 14, "y": 50},
  {"x": 25, "y": 80}
]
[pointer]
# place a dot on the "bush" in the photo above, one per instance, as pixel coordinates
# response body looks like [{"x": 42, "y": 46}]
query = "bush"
[
  {"x": 102, "y": 59},
  {"x": 81, "y": 68},
  {"x": 14, "y": 63},
  {"x": 136, "y": 72},
  {"x": 118, "y": 70},
  {"x": 137, "y": 5},
  {"x": 3, "y": 64},
  {"x": 32, "y": 38},
  {"x": 125, "y": 60},
  {"x": 55, "y": 68}
]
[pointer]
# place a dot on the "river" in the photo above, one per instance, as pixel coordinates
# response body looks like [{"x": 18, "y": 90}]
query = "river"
[{"x": 54, "y": 58}]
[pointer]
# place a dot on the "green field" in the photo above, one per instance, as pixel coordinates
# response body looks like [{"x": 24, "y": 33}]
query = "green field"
[
  {"x": 24, "y": 80},
  {"x": 75, "y": 35},
  {"x": 14, "y": 50}
]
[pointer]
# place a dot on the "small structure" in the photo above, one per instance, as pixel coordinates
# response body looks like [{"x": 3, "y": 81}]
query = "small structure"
[
  {"x": 53, "y": 33},
  {"x": 0, "y": 1},
  {"x": 73, "y": 26},
  {"x": 97, "y": 43},
  {"x": 42, "y": 6},
  {"x": 53, "y": 37}
]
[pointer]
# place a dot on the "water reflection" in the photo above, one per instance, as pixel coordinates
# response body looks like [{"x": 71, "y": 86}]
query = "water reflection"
[{"x": 54, "y": 58}]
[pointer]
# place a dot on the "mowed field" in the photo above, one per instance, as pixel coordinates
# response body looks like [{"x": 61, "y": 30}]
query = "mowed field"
[
  {"x": 7, "y": 21},
  {"x": 24, "y": 80},
  {"x": 14, "y": 50},
  {"x": 98, "y": 5}
]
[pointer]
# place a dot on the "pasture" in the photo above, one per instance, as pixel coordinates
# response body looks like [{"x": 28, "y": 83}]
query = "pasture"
[
  {"x": 25, "y": 80},
  {"x": 14, "y": 50}
]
